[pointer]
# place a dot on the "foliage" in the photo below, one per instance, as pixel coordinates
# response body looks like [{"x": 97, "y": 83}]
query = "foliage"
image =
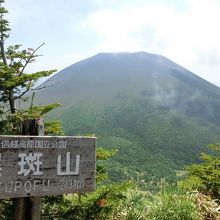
[
  {"x": 205, "y": 176},
  {"x": 207, "y": 207},
  {"x": 121, "y": 202},
  {"x": 16, "y": 82},
  {"x": 6, "y": 212},
  {"x": 152, "y": 142},
  {"x": 171, "y": 205},
  {"x": 134, "y": 206},
  {"x": 157, "y": 114},
  {"x": 53, "y": 127},
  {"x": 38, "y": 111},
  {"x": 101, "y": 204},
  {"x": 101, "y": 156},
  {"x": 111, "y": 201}
]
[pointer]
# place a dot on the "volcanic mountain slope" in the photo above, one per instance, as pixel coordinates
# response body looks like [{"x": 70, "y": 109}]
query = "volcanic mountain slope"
[{"x": 158, "y": 115}]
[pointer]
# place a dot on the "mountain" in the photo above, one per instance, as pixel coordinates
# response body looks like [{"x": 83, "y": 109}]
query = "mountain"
[{"x": 158, "y": 115}]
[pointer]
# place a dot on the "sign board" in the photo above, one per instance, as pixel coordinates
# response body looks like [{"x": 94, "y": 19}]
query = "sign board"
[{"x": 46, "y": 165}]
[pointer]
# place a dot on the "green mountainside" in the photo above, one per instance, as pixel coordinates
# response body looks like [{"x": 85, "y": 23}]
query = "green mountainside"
[{"x": 158, "y": 115}]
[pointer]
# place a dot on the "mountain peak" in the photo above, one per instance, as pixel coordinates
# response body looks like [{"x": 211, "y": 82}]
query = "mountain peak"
[
  {"x": 125, "y": 71},
  {"x": 153, "y": 110}
]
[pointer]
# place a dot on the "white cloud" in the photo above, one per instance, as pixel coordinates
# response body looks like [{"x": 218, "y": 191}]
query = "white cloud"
[
  {"x": 185, "y": 31},
  {"x": 191, "y": 37}
]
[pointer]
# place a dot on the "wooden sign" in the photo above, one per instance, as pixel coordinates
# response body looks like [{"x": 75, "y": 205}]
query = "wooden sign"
[{"x": 46, "y": 165}]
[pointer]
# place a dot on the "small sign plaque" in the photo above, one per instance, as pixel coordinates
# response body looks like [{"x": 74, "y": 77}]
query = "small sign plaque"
[{"x": 46, "y": 165}]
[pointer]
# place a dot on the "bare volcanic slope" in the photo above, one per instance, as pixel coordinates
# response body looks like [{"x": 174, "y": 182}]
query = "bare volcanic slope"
[{"x": 156, "y": 113}]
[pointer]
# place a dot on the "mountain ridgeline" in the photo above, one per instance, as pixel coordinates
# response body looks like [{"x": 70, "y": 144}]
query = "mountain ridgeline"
[{"x": 158, "y": 115}]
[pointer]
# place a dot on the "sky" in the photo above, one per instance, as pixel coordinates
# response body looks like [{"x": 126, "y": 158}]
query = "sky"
[{"x": 185, "y": 31}]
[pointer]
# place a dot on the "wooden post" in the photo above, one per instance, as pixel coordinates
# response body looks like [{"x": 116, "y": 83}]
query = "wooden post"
[
  {"x": 19, "y": 208},
  {"x": 29, "y": 208}
]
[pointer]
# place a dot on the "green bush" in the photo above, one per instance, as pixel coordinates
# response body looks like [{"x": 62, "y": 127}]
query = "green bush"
[
  {"x": 172, "y": 206},
  {"x": 105, "y": 203},
  {"x": 205, "y": 177},
  {"x": 134, "y": 206}
]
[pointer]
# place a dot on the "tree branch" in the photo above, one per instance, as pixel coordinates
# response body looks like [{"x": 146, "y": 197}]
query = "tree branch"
[
  {"x": 29, "y": 59},
  {"x": 43, "y": 87},
  {"x": 24, "y": 92}
]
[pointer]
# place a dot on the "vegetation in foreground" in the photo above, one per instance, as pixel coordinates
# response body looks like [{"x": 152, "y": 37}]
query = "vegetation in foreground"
[
  {"x": 195, "y": 199},
  {"x": 188, "y": 200},
  {"x": 124, "y": 201},
  {"x": 121, "y": 203}
]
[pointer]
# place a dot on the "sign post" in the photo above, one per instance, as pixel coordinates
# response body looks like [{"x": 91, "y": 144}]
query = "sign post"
[
  {"x": 29, "y": 207},
  {"x": 36, "y": 166}
]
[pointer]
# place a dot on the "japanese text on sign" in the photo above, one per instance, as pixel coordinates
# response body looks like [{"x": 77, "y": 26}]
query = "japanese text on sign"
[
  {"x": 32, "y": 144},
  {"x": 38, "y": 165}
]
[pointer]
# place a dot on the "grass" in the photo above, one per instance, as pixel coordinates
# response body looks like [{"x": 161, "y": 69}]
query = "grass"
[
  {"x": 171, "y": 206},
  {"x": 168, "y": 204},
  {"x": 116, "y": 203}
]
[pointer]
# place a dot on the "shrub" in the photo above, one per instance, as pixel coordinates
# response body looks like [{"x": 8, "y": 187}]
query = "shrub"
[
  {"x": 205, "y": 177},
  {"x": 172, "y": 206}
]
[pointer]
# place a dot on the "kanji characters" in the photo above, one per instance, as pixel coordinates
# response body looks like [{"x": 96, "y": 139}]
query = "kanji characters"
[
  {"x": 30, "y": 163},
  {"x": 68, "y": 163}
]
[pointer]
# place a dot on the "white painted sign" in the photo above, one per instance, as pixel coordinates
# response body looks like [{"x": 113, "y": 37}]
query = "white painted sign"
[{"x": 42, "y": 165}]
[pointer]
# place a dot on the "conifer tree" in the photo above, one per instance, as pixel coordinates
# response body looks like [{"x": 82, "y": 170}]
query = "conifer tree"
[
  {"x": 15, "y": 82},
  {"x": 15, "y": 86},
  {"x": 205, "y": 176}
]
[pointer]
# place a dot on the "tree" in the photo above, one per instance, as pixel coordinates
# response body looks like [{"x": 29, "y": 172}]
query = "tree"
[
  {"x": 205, "y": 176},
  {"x": 15, "y": 82},
  {"x": 15, "y": 85}
]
